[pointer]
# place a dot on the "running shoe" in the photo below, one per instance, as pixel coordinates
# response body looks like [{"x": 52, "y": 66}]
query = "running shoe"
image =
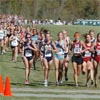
[
  {"x": 95, "y": 85},
  {"x": 57, "y": 83},
  {"x": 60, "y": 81},
  {"x": 26, "y": 82},
  {"x": 76, "y": 85},
  {"x": 92, "y": 82},
  {"x": 83, "y": 72},
  {"x": 45, "y": 83},
  {"x": 66, "y": 78}
]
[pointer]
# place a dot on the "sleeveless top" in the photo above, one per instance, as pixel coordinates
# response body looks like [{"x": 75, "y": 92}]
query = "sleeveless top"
[
  {"x": 48, "y": 53},
  {"x": 59, "y": 47},
  {"x": 77, "y": 47},
  {"x": 87, "y": 53},
  {"x": 35, "y": 38},
  {"x": 42, "y": 42},
  {"x": 93, "y": 40},
  {"x": 15, "y": 41},
  {"x": 27, "y": 51},
  {"x": 97, "y": 47},
  {"x": 67, "y": 45}
]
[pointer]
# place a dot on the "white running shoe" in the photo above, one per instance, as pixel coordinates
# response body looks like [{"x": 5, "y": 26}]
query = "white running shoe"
[
  {"x": 45, "y": 83},
  {"x": 61, "y": 81},
  {"x": 57, "y": 83},
  {"x": 76, "y": 84}
]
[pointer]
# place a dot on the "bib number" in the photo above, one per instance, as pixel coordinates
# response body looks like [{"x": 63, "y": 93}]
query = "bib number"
[
  {"x": 98, "y": 52},
  {"x": 77, "y": 50},
  {"x": 66, "y": 50},
  {"x": 1, "y": 36},
  {"x": 28, "y": 53},
  {"x": 48, "y": 54},
  {"x": 14, "y": 43},
  {"x": 87, "y": 54},
  {"x": 61, "y": 52}
]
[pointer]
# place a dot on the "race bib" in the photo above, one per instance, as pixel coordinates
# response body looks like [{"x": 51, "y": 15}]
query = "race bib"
[
  {"x": 14, "y": 43},
  {"x": 98, "y": 52},
  {"x": 1, "y": 34},
  {"x": 77, "y": 50},
  {"x": 48, "y": 54},
  {"x": 28, "y": 53},
  {"x": 87, "y": 54},
  {"x": 60, "y": 51},
  {"x": 66, "y": 50}
]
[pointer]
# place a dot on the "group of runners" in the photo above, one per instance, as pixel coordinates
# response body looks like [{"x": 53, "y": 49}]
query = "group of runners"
[{"x": 33, "y": 44}]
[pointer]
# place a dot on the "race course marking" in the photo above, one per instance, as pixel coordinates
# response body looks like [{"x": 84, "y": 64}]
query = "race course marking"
[{"x": 18, "y": 92}]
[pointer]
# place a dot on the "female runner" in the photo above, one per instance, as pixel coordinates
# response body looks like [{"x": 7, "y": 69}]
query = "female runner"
[
  {"x": 28, "y": 54},
  {"x": 66, "y": 57},
  {"x": 96, "y": 58},
  {"x": 77, "y": 60},
  {"x": 49, "y": 48},
  {"x": 59, "y": 58},
  {"x": 87, "y": 55}
]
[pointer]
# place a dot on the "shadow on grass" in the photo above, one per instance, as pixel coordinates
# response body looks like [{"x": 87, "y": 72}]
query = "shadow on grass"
[
  {"x": 9, "y": 61},
  {"x": 23, "y": 84},
  {"x": 5, "y": 61},
  {"x": 40, "y": 69},
  {"x": 51, "y": 84},
  {"x": 19, "y": 68},
  {"x": 35, "y": 84}
]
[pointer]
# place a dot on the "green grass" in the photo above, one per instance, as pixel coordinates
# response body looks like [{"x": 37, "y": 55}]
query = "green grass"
[
  {"x": 33, "y": 98},
  {"x": 16, "y": 71},
  {"x": 54, "y": 29}
]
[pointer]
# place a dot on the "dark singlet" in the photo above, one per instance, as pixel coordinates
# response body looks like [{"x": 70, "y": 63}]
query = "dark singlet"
[
  {"x": 28, "y": 53},
  {"x": 48, "y": 53},
  {"x": 67, "y": 48},
  {"x": 77, "y": 47}
]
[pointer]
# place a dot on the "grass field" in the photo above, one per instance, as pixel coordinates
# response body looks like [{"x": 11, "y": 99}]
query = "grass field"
[
  {"x": 16, "y": 71},
  {"x": 31, "y": 98}
]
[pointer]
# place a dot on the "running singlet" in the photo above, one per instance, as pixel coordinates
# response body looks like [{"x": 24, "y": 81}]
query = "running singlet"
[
  {"x": 15, "y": 41},
  {"x": 42, "y": 42},
  {"x": 93, "y": 40},
  {"x": 34, "y": 38},
  {"x": 27, "y": 51},
  {"x": 59, "y": 47},
  {"x": 97, "y": 49},
  {"x": 48, "y": 53},
  {"x": 87, "y": 53},
  {"x": 1, "y": 34},
  {"x": 77, "y": 47},
  {"x": 67, "y": 45}
]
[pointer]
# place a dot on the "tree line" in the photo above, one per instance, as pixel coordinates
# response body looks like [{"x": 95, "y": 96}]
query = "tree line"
[{"x": 52, "y": 9}]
